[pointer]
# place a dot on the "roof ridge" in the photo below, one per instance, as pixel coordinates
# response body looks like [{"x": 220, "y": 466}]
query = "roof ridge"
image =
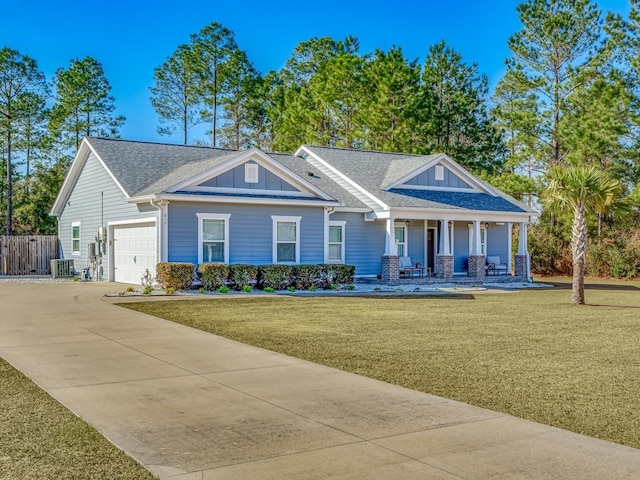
[
  {"x": 400, "y": 154},
  {"x": 146, "y": 142}
]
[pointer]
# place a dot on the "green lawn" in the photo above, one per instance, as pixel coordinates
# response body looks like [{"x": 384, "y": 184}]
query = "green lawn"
[
  {"x": 531, "y": 353},
  {"x": 41, "y": 439}
]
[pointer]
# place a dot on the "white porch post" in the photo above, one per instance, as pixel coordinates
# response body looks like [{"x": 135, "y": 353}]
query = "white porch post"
[
  {"x": 476, "y": 248},
  {"x": 509, "y": 242},
  {"x": 390, "y": 244},
  {"x": 164, "y": 230},
  {"x": 522, "y": 240},
  {"x": 445, "y": 242}
]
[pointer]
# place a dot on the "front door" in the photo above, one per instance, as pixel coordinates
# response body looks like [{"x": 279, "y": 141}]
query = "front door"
[{"x": 431, "y": 248}]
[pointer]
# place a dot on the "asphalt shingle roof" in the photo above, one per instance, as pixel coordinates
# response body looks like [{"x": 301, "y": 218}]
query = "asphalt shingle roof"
[{"x": 465, "y": 200}]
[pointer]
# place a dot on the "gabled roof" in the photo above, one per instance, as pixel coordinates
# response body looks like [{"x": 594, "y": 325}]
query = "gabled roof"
[{"x": 356, "y": 179}]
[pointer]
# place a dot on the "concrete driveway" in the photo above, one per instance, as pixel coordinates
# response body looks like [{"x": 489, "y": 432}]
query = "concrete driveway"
[{"x": 190, "y": 405}]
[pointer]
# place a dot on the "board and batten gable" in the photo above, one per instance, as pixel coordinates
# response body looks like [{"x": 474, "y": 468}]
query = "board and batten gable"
[
  {"x": 250, "y": 231},
  {"x": 428, "y": 179},
  {"x": 235, "y": 178},
  {"x": 95, "y": 201}
]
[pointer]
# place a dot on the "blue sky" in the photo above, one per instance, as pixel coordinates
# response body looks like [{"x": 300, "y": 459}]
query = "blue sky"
[{"x": 131, "y": 38}]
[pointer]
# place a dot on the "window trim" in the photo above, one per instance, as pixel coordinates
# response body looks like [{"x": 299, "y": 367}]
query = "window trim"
[
  {"x": 213, "y": 216},
  {"x": 342, "y": 224},
  {"x": 406, "y": 239},
  {"x": 274, "y": 253},
  {"x": 73, "y": 239},
  {"x": 439, "y": 173},
  {"x": 483, "y": 234},
  {"x": 251, "y": 172}
]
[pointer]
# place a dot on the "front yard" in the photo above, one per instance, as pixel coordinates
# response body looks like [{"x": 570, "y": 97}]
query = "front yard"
[{"x": 529, "y": 353}]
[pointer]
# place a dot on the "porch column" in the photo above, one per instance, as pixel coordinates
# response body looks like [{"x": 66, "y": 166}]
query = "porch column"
[
  {"x": 509, "y": 249},
  {"x": 444, "y": 259},
  {"x": 522, "y": 258},
  {"x": 390, "y": 269},
  {"x": 476, "y": 262}
]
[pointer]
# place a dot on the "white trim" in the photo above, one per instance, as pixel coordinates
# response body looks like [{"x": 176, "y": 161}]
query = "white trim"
[
  {"x": 483, "y": 233},
  {"x": 438, "y": 171},
  {"x": 213, "y": 216},
  {"x": 405, "y": 186},
  {"x": 337, "y": 172},
  {"x": 342, "y": 224},
  {"x": 260, "y": 158},
  {"x": 426, "y": 246},
  {"x": 249, "y": 191},
  {"x": 418, "y": 213},
  {"x": 509, "y": 246},
  {"x": 279, "y": 218},
  {"x": 75, "y": 252},
  {"x": 405, "y": 250},
  {"x": 133, "y": 221},
  {"x": 251, "y": 172},
  {"x": 177, "y": 197}
]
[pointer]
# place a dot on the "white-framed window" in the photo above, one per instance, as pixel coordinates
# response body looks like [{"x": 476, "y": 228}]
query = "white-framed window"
[
  {"x": 439, "y": 172},
  {"x": 213, "y": 237},
  {"x": 286, "y": 239},
  {"x": 483, "y": 240},
  {"x": 402, "y": 242},
  {"x": 251, "y": 172},
  {"x": 336, "y": 243},
  {"x": 75, "y": 238}
]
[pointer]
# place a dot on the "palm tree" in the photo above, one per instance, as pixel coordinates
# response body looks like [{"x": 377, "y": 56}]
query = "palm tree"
[{"x": 579, "y": 187}]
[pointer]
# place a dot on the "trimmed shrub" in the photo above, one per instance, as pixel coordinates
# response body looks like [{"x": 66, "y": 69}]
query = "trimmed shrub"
[
  {"x": 176, "y": 276},
  {"x": 241, "y": 275},
  {"x": 338, "y": 274},
  {"x": 306, "y": 275},
  {"x": 277, "y": 277},
  {"x": 213, "y": 275}
]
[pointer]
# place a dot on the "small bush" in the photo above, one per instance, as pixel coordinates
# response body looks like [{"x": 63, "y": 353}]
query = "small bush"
[
  {"x": 202, "y": 290},
  {"x": 147, "y": 290},
  {"x": 338, "y": 274},
  {"x": 223, "y": 289},
  {"x": 213, "y": 275},
  {"x": 291, "y": 288},
  {"x": 312, "y": 288},
  {"x": 307, "y": 275},
  {"x": 241, "y": 275},
  {"x": 247, "y": 289},
  {"x": 129, "y": 290},
  {"x": 170, "y": 291},
  {"x": 268, "y": 289},
  {"x": 177, "y": 276},
  {"x": 147, "y": 279},
  {"x": 277, "y": 277},
  {"x": 351, "y": 286}
]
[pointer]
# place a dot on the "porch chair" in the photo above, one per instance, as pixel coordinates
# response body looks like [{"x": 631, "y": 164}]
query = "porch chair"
[
  {"x": 407, "y": 267},
  {"x": 493, "y": 266}
]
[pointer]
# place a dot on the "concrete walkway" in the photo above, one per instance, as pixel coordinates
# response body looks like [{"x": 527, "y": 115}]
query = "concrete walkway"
[{"x": 190, "y": 405}]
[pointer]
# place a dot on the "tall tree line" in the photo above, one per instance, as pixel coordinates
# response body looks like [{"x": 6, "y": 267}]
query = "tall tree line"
[{"x": 41, "y": 126}]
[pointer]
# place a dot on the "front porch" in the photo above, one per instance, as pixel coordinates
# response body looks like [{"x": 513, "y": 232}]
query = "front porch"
[{"x": 456, "y": 251}]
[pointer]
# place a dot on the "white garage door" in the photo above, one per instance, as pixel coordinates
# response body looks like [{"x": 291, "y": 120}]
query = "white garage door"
[{"x": 134, "y": 250}]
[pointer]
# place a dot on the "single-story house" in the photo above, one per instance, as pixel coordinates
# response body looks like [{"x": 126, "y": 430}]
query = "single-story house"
[{"x": 127, "y": 205}]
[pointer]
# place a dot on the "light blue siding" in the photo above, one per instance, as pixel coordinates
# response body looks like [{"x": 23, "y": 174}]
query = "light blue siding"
[
  {"x": 234, "y": 178},
  {"x": 250, "y": 231},
  {"x": 498, "y": 241},
  {"x": 416, "y": 242},
  {"x": 460, "y": 246},
  {"x": 364, "y": 242},
  {"x": 428, "y": 179},
  {"x": 95, "y": 201}
]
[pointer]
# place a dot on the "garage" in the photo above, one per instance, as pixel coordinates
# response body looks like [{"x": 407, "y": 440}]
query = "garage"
[{"x": 134, "y": 251}]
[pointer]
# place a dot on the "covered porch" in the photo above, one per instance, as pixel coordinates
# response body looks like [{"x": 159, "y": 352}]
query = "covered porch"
[{"x": 453, "y": 249}]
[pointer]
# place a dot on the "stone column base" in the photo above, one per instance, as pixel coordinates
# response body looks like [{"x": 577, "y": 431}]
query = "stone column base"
[
  {"x": 476, "y": 266},
  {"x": 522, "y": 262},
  {"x": 390, "y": 272},
  {"x": 444, "y": 266}
]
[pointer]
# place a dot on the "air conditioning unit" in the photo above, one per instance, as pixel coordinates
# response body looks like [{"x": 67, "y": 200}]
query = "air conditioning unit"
[{"x": 62, "y": 268}]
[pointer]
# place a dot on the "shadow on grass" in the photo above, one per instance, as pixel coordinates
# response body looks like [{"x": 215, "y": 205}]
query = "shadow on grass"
[
  {"x": 597, "y": 286},
  {"x": 412, "y": 296}
]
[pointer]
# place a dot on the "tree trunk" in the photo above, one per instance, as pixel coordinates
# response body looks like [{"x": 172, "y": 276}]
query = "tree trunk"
[
  {"x": 9, "y": 182},
  {"x": 578, "y": 251}
]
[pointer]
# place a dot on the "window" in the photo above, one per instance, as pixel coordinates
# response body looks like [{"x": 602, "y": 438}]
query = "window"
[
  {"x": 286, "y": 239},
  {"x": 335, "y": 250},
  {"x": 483, "y": 240},
  {"x": 213, "y": 238},
  {"x": 401, "y": 241},
  {"x": 439, "y": 172},
  {"x": 251, "y": 173},
  {"x": 75, "y": 238}
]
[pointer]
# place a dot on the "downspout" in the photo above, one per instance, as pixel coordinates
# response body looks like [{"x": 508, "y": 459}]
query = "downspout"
[
  {"x": 327, "y": 211},
  {"x": 163, "y": 224}
]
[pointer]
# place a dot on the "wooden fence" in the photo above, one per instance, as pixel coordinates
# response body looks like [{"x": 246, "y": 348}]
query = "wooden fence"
[{"x": 27, "y": 255}]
